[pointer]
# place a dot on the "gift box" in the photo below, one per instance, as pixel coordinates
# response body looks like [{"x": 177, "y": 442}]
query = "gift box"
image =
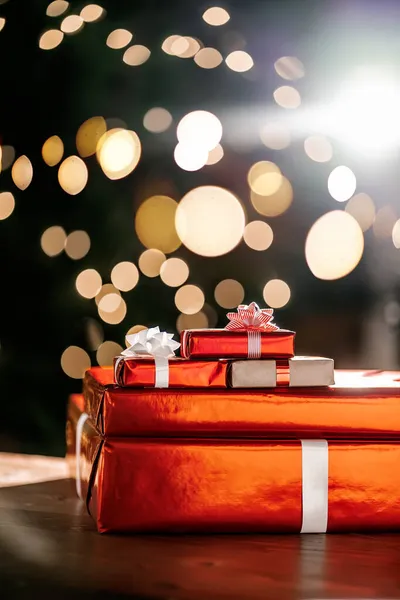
[
  {"x": 142, "y": 372},
  {"x": 215, "y": 485},
  {"x": 299, "y": 371},
  {"x": 362, "y": 404}
]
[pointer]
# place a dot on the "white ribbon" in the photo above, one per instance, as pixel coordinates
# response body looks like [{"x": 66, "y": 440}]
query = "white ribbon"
[
  {"x": 78, "y": 444},
  {"x": 314, "y": 486},
  {"x": 155, "y": 343},
  {"x": 253, "y": 344}
]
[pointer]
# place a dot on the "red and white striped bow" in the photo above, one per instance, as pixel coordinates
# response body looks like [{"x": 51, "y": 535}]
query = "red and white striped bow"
[{"x": 251, "y": 317}]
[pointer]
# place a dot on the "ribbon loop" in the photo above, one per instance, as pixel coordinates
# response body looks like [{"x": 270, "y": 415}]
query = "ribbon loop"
[
  {"x": 254, "y": 320},
  {"x": 151, "y": 342}
]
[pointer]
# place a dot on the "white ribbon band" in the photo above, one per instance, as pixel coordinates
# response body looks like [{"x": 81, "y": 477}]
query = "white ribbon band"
[
  {"x": 253, "y": 344},
  {"x": 314, "y": 486},
  {"x": 162, "y": 372},
  {"x": 78, "y": 444}
]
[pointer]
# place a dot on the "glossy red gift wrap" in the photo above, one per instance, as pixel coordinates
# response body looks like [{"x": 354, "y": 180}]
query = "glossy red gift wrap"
[
  {"x": 215, "y": 485},
  {"x": 362, "y": 404},
  {"x": 217, "y": 343},
  {"x": 140, "y": 372}
]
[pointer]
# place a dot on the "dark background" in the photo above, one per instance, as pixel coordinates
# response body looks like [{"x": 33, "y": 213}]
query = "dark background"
[{"x": 47, "y": 93}]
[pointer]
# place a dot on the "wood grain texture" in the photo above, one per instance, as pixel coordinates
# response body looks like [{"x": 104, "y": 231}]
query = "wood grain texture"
[{"x": 49, "y": 548}]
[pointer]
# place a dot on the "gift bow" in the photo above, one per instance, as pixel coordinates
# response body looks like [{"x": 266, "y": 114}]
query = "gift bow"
[
  {"x": 151, "y": 342},
  {"x": 155, "y": 343},
  {"x": 251, "y": 317}
]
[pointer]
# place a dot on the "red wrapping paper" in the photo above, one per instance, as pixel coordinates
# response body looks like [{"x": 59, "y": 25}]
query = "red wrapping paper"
[
  {"x": 161, "y": 485},
  {"x": 216, "y": 343},
  {"x": 362, "y": 404},
  {"x": 140, "y": 372}
]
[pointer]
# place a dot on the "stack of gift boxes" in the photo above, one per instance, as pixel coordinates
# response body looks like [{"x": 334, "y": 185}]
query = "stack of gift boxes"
[{"x": 238, "y": 434}]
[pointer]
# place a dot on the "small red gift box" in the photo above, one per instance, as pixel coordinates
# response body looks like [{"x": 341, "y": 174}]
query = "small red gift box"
[{"x": 215, "y": 485}]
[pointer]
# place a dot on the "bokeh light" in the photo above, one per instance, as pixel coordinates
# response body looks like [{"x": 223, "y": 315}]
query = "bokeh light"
[
  {"x": 362, "y": 208},
  {"x": 75, "y": 361},
  {"x": 208, "y": 58},
  {"x": 289, "y": 67},
  {"x": 77, "y": 244},
  {"x": 258, "y": 235},
  {"x": 106, "y": 352},
  {"x": 190, "y": 157},
  {"x": 119, "y": 38},
  {"x": 216, "y": 16},
  {"x": 318, "y": 148},
  {"x": 155, "y": 224},
  {"x": 22, "y": 172},
  {"x": 229, "y": 293},
  {"x": 189, "y": 299},
  {"x": 157, "y": 120},
  {"x": 7, "y": 157},
  {"x": 168, "y": 42},
  {"x": 210, "y": 221},
  {"x": 185, "y": 47},
  {"x": 200, "y": 128},
  {"x": 118, "y": 152},
  {"x": 88, "y": 283},
  {"x": 174, "y": 272},
  {"x": 53, "y": 240},
  {"x": 125, "y": 276},
  {"x": 94, "y": 333},
  {"x": 112, "y": 317},
  {"x": 50, "y": 39},
  {"x": 274, "y": 204},
  {"x": 264, "y": 178},
  {"x": 239, "y": 61},
  {"x": 276, "y": 293},
  {"x": 334, "y": 245},
  {"x": 89, "y": 135},
  {"x": 287, "y": 97},
  {"x": 150, "y": 262},
  {"x": 57, "y": 8},
  {"x": 342, "y": 183},
  {"x": 384, "y": 222},
  {"x": 108, "y": 289},
  {"x": 197, "y": 321},
  {"x": 92, "y": 12},
  {"x": 72, "y": 24},
  {"x": 136, "y": 55},
  {"x": 395, "y": 234},
  {"x": 109, "y": 303},
  {"x": 73, "y": 175},
  {"x": 275, "y": 135},
  {"x": 2, "y": 23},
  {"x": 7, "y": 205},
  {"x": 53, "y": 150},
  {"x": 215, "y": 155}
]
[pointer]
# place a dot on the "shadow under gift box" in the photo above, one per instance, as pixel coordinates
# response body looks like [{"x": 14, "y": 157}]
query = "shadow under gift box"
[
  {"x": 363, "y": 404},
  {"x": 205, "y": 485}
]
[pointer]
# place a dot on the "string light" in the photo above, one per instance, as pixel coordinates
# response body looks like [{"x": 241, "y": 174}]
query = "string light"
[
  {"x": 119, "y": 38},
  {"x": 239, "y": 61},
  {"x": 53, "y": 240},
  {"x": 157, "y": 120},
  {"x": 77, "y": 244},
  {"x": 89, "y": 135},
  {"x": 229, "y": 293},
  {"x": 208, "y": 58},
  {"x": 384, "y": 222},
  {"x": 2, "y": 23},
  {"x": 7, "y": 157},
  {"x": 73, "y": 175},
  {"x": 362, "y": 208},
  {"x": 274, "y": 204},
  {"x": 199, "y": 128},
  {"x": 197, "y": 321},
  {"x": 342, "y": 183},
  {"x": 106, "y": 290},
  {"x": 215, "y": 155},
  {"x": 7, "y": 205},
  {"x": 118, "y": 152},
  {"x": 51, "y": 39},
  {"x": 318, "y": 148},
  {"x": 216, "y": 16},
  {"x": 155, "y": 224},
  {"x": 88, "y": 283},
  {"x": 136, "y": 55},
  {"x": 72, "y": 24},
  {"x": 276, "y": 293},
  {"x": 264, "y": 178},
  {"x": 92, "y": 13},
  {"x": 189, "y": 299},
  {"x": 150, "y": 262},
  {"x": 57, "y": 8},
  {"x": 116, "y": 316},
  {"x": 53, "y": 150},
  {"x": 174, "y": 272},
  {"x": 22, "y": 172},
  {"x": 125, "y": 276},
  {"x": 275, "y": 136},
  {"x": 106, "y": 353},
  {"x": 258, "y": 235},
  {"x": 287, "y": 97},
  {"x": 74, "y": 362},
  {"x": 289, "y": 67}
]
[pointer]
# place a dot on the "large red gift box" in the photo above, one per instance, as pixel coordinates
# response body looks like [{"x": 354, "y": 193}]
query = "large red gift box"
[
  {"x": 362, "y": 404},
  {"x": 216, "y": 485}
]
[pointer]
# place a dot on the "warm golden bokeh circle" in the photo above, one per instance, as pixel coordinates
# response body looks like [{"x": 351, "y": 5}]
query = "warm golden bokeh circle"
[
  {"x": 189, "y": 299},
  {"x": 289, "y": 67},
  {"x": 155, "y": 224},
  {"x": 185, "y": 47},
  {"x": 51, "y": 39},
  {"x": 125, "y": 276},
  {"x": 92, "y": 13},
  {"x": 52, "y": 150},
  {"x": 74, "y": 362},
  {"x": 7, "y": 158},
  {"x": 215, "y": 155},
  {"x": 174, "y": 272},
  {"x": 362, "y": 208},
  {"x": 7, "y": 205},
  {"x": 287, "y": 97},
  {"x": 106, "y": 353},
  {"x": 57, "y": 8},
  {"x": 229, "y": 293},
  {"x": 239, "y": 61},
  {"x": 89, "y": 134},
  {"x": 109, "y": 303},
  {"x": 258, "y": 235},
  {"x": 150, "y": 262},
  {"x": 342, "y": 183},
  {"x": 216, "y": 16},
  {"x": 275, "y": 204},
  {"x": 118, "y": 152},
  {"x": 208, "y": 58},
  {"x": 53, "y": 240},
  {"x": 113, "y": 317},
  {"x": 190, "y": 157},
  {"x": 73, "y": 175},
  {"x": 157, "y": 120},
  {"x": 22, "y": 172},
  {"x": 276, "y": 293},
  {"x": 201, "y": 129},
  {"x": 72, "y": 24},
  {"x": 88, "y": 283},
  {"x": 334, "y": 245},
  {"x": 197, "y": 321},
  {"x": 384, "y": 222},
  {"x": 106, "y": 290},
  {"x": 77, "y": 244},
  {"x": 210, "y": 221},
  {"x": 119, "y": 38},
  {"x": 136, "y": 55},
  {"x": 264, "y": 178},
  {"x": 275, "y": 135},
  {"x": 318, "y": 148}
]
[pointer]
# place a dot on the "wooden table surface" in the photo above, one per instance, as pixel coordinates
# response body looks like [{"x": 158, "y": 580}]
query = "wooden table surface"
[{"x": 49, "y": 548}]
